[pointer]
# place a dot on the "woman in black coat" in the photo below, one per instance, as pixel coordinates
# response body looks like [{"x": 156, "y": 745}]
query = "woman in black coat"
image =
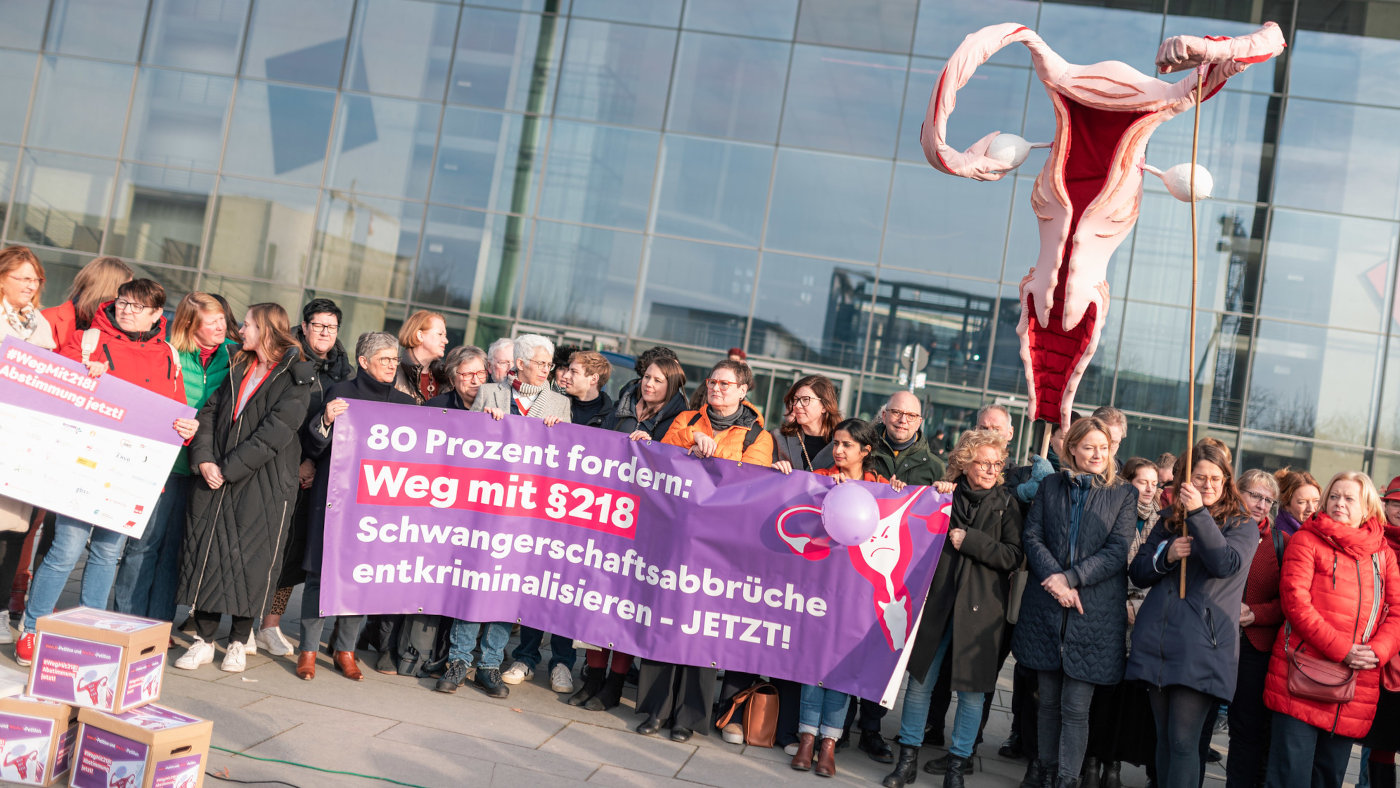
[
  {"x": 1187, "y": 650},
  {"x": 647, "y": 406},
  {"x": 378, "y": 357},
  {"x": 964, "y": 620},
  {"x": 1074, "y": 618},
  {"x": 247, "y": 452}
]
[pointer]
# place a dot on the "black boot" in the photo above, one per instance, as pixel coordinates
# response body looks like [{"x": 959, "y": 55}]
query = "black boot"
[
  {"x": 1061, "y": 783},
  {"x": 609, "y": 695},
  {"x": 1113, "y": 775},
  {"x": 1089, "y": 777},
  {"x": 592, "y": 682},
  {"x": 874, "y": 745},
  {"x": 940, "y": 765},
  {"x": 1047, "y": 775},
  {"x": 1035, "y": 773},
  {"x": 957, "y": 767},
  {"x": 906, "y": 769},
  {"x": 1011, "y": 748}
]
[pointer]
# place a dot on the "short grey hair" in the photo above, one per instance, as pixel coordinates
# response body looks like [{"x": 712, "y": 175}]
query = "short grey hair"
[
  {"x": 527, "y": 344},
  {"x": 985, "y": 409},
  {"x": 504, "y": 343},
  {"x": 460, "y": 355},
  {"x": 372, "y": 342},
  {"x": 1264, "y": 479}
]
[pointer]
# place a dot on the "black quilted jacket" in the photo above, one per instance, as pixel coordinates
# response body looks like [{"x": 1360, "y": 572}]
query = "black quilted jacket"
[
  {"x": 1087, "y": 647},
  {"x": 233, "y": 545}
]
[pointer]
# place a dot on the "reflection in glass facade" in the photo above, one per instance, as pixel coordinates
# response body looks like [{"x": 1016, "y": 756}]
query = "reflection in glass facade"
[{"x": 712, "y": 173}]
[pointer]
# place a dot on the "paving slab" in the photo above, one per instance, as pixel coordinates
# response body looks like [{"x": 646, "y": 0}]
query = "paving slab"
[
  {"x": 397, "y": 760},
  {"x": 491, "y": 751},
  {"x": 618, "y": 777},
  {"x": 650, "y": 754}
]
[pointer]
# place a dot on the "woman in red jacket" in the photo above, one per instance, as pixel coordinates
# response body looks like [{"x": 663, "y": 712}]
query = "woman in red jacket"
[{"x": 1336, "y": 583}]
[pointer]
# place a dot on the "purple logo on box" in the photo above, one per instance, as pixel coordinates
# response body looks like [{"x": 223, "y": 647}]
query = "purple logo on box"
[
  {"x": 24, "y": 748},
  {"x": 143, "y": 680},
  {"x": 106, "y": 760},
  {"x": 178, "y": 772},
  {"x": 76, "y": 671}
]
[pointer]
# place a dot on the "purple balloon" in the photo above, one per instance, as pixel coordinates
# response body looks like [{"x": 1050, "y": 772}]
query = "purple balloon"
[{"x": 850, "y": 514}]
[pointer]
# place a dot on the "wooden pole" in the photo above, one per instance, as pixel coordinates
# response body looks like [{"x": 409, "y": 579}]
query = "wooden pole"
[
  {"x": 1045, "y": 440},
  {"x": 1191, "y": 317}
]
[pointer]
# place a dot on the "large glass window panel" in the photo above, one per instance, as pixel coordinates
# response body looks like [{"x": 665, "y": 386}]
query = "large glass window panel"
[
  {"x": 1232, "y": 145},
  {"x": 22, "y": 23},
  {"x": 844, "y": 101},
  {"x": 279, "y": 131},
  {"x": 950, "y": 318},
  {"x": 653, "y": 12},
  {"x": 1388, "y": 428},
  {"x": 1084, "y": 34},
  {"x": 1339, "y": 158},
  {"x": 177, "y": 118},
  {"x": 828, "y": 205},
  {"x": 16, "y": 80},
  {"x": 885, "y": 25},
  {"x": 402, "y": 47},
  {"x": 1345, "y": 67},
  {"x": 61, "y": 200},
  {"x": 545, "y": 6},
  {"x": 599, "y": 175},
  {"x": 616, "y": 73},
  {"x": 384, "y": 146},
  {"x": 60, "y": 268},
  {"x": 8, "y": 160},
  {"x": 1153, "y": 357},
  {"x": 1329, "y": 269},
  {"x": 1008, "y": 374},
  {"x": 944, "y": 23},
  {"x": 769, "y": 19},
  {"x": 80, "y": 106},
  {"x": 298, "y": 40},
  {"x": 365, "y": 245},
  {"x": 97, "y": 28},
  {"x": 1270, "y": 452},
  {"x": 262, "y": 230},
  {"x": 994, "y": 100},
  {"x": 696, "y": 294},
  {"x": 489, "y": 160},
  {"x": 1313, "y": 382},
  {"x": 159, "y": 215},
  {"x": 205, "y": 35},
  {"x": 471, "y": 260},
  {"x": 582, "y": 276},
  {"x": 1229, "y": 243},
  {"x": 1263, "y": 77},
  {"x": 1149, "y": 437},
  {"x": 506, "y": 60},
  {"x": 242, "y": 294},
  {"x": 728, "y": 87},
  {"x": 713, "y": 190},
  {"x": 811, "y": 310},
  {"x": 941, "y": 223}
]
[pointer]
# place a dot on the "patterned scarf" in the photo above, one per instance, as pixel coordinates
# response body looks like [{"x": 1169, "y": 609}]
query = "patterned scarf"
[
  {"x": 23, "y": 321},
  {"x": 524, "y": 395}
]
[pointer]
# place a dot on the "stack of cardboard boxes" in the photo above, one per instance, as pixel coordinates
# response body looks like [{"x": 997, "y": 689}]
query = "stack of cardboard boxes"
[{"x": 88, "y": 709}]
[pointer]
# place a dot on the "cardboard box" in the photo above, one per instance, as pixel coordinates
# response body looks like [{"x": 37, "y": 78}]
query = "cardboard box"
[
  {"x": 148, "y": 747},
  {"x": 98, "y": 659},
  {"x": 36, "y": 740}
]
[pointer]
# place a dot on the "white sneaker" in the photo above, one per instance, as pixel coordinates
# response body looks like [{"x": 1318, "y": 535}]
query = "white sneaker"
[
  {"x": 199, "y": 653},
  {"x": 251, "y": 647},
  {"x": 733, "y": 733},
  {"x": 561, "y": 679},
  {"x": 791, "y": 749},
  {"x": 235, "y": 660},
  {"x": 517, "y": 672},
  {"x": 272, "y": 641},
  {"x": 7, "y": 636}
]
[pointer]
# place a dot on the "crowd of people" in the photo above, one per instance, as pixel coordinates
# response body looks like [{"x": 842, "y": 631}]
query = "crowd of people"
[{"x": 1119, "y": 585}]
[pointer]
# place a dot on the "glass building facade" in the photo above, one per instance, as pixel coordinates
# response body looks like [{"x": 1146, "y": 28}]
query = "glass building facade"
[{"x": 716, "y": 173}]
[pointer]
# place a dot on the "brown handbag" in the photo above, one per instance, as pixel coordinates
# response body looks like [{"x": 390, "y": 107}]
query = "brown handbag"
[
  {"x": 760, "y": 704},
  {"x": 1317, "y": 679}
]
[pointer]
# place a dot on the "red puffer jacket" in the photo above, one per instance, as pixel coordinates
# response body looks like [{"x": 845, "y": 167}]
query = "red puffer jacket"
[
  {"x": 147, "y": 360},
  {"x": 1328, "y": 590}
]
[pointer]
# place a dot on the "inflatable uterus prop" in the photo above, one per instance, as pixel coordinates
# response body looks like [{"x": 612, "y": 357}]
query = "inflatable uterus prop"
[{"x": 1086, "y": 197}]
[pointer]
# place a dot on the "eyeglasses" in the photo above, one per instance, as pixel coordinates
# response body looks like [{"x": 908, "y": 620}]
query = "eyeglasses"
[
  {"x": 1208, "y": 481},
  {"x": 804, "y": 400},
  {"x": 1257, "y": 498},
  {"x": 901, "y": 415},
  {"x": 25, "y": 280},
  {"x": 1164, "y": 485},
  {"x": 124, "y": 305},
  {"x": 385, "y": 361},
  {"x": 721, "y": 385},
  {"x": 323, "y": 328},
  {"x": 472, "y": 377},
  {"x": 543, "y": 366},
  {"x": 990, "y": 467}
]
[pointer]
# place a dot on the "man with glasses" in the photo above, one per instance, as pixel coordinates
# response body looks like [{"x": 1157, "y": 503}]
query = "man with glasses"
[{"x": 500, "y": 359}]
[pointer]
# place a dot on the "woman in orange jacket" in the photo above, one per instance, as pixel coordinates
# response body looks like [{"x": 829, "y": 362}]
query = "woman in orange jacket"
[{"x": 1337, "y": 581}]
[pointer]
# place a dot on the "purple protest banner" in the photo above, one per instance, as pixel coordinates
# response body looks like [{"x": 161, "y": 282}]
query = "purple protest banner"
[
  {"x": 631, "y": 545},
  {"x": 98, "y": 449}
]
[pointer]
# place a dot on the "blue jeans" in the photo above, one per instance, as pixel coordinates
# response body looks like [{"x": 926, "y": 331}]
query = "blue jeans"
[
  {"x": 823, "y": 712},
  {"x": 150, "y": 569},
  {"x": 1301, "y": 756},
  {"x": 70, "y": 539},
  {"x": 1063, "y": 722},
  {"x": 561, "y": 649},
  {"x": 918, "y": 696},
  {"x": 462, "y": 639},
  {"x": 313, "y": 623}
]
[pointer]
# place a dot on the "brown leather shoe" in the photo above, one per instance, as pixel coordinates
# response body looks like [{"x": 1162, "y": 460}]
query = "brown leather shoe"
[
  {"x": 306, "y": 665},
  {"x": 826, "y": 758},
  {"x": 345, "y": 663},
  {"x": 802, "y": 759}
]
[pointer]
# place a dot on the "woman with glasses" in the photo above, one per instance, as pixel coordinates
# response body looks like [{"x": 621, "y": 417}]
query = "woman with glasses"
[
  {"x": 725, "y": 427},
  {"x": 1261, "y": 615},
  {"x": 1187, "y": 649},
  {"x": 804, "y": 441},
  {"x": 966, "y": 620}
]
